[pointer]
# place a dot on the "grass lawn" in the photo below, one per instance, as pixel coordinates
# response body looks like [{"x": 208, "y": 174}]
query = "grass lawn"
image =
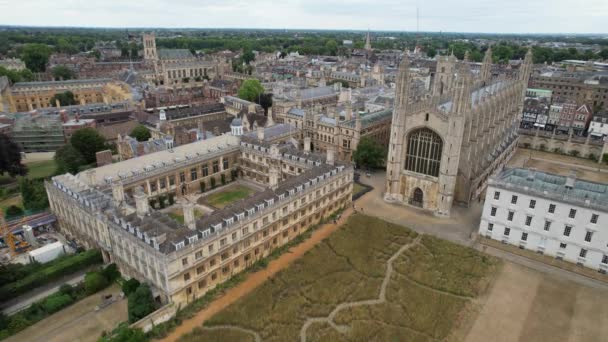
[
  {"x": 223, "y": 198},
  {"x": 178, "y": 215},
  {"x": 427, "y": 294},
  {"x": 14, "y": 200},
  {"x": 41, "y": 169},
  {"x": 357, "y": 188}
]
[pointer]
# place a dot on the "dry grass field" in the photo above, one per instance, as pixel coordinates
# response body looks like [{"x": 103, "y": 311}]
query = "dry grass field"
[{"x": 369, "y": 281}]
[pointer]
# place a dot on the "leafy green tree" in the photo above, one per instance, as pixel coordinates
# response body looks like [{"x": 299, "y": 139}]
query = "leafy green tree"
[
  {"x": 93, "y": 282},
  {"x": 10, "y": 157},
  {"x": 248, "y": 56},
  {"x": 36, "y": 56},
  {"x": 24, "y": 75},
  {"x": 88, "y": 142},
  {"x": 141, "y": 303},
  {"x": 13, "y": 211},
  {"x": 130, "y": 286},
  {"x": 431, "y": 52},
  {"x": 68, "y": 159},
  {"x": 369, "y": 153},
  {"x": 63, "y": 73},
  {"x": 111, "y": 272},
  {"x": 603, "y": 54},
  {"x": 141, "y": 133},
  {"x": 33, "y": 194},
  {"x": 251, "y": 90},
  {"x": 331, "y": 47},
  {"x": 56, "y": 302},
  {"x": 265, "y": 100},
  {"x": 65, "y": 99},
  {"x": 124, "y": 333}
]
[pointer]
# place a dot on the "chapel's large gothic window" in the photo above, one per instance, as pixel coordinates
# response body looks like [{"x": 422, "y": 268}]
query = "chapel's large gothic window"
[{"x": 424, "y": 149}]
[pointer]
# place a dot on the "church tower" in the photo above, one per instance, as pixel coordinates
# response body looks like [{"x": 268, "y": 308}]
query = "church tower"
[
  {"x": 368, "y": 42},
  {"x": 444, "y": 75},
  {"x": 150, "y": 47}
]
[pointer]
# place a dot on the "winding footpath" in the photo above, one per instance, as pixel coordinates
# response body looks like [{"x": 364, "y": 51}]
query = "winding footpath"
[
  {"x": 380, "y": 300},
  {"x": 255, "y": 335}
]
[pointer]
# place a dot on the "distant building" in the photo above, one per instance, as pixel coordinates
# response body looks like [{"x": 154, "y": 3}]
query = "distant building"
[
  {"x": 38, "y": 133},
  {"x": 559, "y": 216},
  {"x": 598, "y": 127},
  {"x": 12, "y": 64},
  {"x": 580, "y": 87}
]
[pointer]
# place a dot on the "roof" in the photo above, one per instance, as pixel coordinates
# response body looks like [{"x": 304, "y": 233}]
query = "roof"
[
  {"x": 46, "y": 248},
  {"x": 552, "y": 186},
  {"x": 273, "y": 131},
  {"x": 478, "y": 95},
  {"x": 175, "y": 54},
  {"x": 60, "y": 83}
]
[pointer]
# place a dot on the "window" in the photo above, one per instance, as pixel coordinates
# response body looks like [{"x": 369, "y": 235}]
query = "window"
[
  {"x": 210, "y": 248},
  {"x": 493, "y": 211},
  {"x": 205, "y": 170},
  {"x": 524, "y": 236},
  {"x": 200, "y": 269},
  {"x": 216, "y": 166},
  {"x": 189, "y": 291},
  {"x": 193, "y": 174},
  {"x": 496, "y": 195},
  {"x": 528, "y": 220},
  {"x": 490, "y": 226},
  {"x": 551, "y": 208},
  {"x": 547, "y": 225},
  {"x": 424, "y": 148},
  {"x": 532, "y": 204},
  {"x": 212, "y": 262},
  {"x": 198, "y": 255},
  {"x": 588, "y": 236},
  {"x": 605, "y": 259},
  {"x": 202, "y": 284},
  {"x": 594, "y": 218},
  {"x": 572, "y": 213},
  {"x": 186, "y": 276},
  {"x": 583, "y": 253},
  {"x": 182, "y": 177},
  {"x": 562, "y": 245},
  {"x": 507, "y": 231},
  {"x": 225, "y": 164},
  {"x": 514, "y": 199},
  {"x": 184, "y": 261},
  {"x": 567, "y": 230},
  {"x": 510, "y": 216}
]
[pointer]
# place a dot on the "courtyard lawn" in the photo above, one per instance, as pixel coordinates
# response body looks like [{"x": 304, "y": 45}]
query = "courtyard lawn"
[
  {"x": 41, "y": 169},
  {"x": 231, "y": 194},
  {"x": 429, "y": 287},
  {"x": 357, "y": 188},
  {"x": 178, "y": 214}
]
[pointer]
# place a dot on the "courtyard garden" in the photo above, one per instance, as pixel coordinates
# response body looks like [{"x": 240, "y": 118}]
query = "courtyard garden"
[
  {"x": 227, "y": 196},
  {"x": 370, "y": 280},
  {"x": 178, "y": 214}
]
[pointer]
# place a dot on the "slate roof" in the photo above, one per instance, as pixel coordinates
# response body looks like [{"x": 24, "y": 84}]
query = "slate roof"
[{"x": 174, "y": 54}]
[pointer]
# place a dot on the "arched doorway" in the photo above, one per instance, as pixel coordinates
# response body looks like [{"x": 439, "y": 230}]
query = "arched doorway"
[{"x": 417, "y": 198}]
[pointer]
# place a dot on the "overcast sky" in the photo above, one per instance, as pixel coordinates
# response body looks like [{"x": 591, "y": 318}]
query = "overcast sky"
[{"x": 517, "y": 16}]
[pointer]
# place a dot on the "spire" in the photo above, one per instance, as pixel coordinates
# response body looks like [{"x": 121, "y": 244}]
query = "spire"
[
  {"x": 368, "y": 42},
  {"x": 403, "y": 83},
  {"x": 462, "y": 90},
  {"x": 466, "y": 56},
  {"x": 526, "y": 68},
  {"x": 486, "y": 67}
]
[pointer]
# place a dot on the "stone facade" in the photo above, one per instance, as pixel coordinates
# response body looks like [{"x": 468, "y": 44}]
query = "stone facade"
[{"x": 444, "y": 146}]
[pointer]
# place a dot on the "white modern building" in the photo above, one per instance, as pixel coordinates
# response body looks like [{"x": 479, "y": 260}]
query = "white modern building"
[
  {"x": 554, "y": 215},
  {"x": 598, "y": 128}
]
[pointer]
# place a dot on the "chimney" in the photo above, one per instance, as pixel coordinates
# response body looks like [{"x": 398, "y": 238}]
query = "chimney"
[
  {"x": 273, "y": 178},
  {"x": 261, "y": 133},
  {"x": 189, "y": 220},
  {"x": 307, "y": 144},
  {"x": 141, "y": 202},
  {"x": 330, "y": 156},
  {"x": 118, "y": 193}
]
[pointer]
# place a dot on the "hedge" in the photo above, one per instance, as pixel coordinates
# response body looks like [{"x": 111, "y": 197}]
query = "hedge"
[{"x": 49, "y": 272}]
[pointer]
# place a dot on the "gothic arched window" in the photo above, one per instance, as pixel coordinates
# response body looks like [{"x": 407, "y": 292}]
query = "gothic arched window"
[{"x": 424, "y": 149}]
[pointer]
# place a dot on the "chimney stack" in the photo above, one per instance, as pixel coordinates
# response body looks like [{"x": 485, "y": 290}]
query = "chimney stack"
[
  {"x": 261, "y": 133},
  {"x": 141, "y": 202},
  {"x": 307, "y": 144},
  {"x": 189, "y": 219},
  {"x": 330, "y": 156},
  {"x": 118, "y": 193},
  {"x": 274, "y": 178}
]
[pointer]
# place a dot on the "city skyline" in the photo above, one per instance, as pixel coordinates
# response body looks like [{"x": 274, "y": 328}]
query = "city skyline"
[{"x": 385, "y": 15}]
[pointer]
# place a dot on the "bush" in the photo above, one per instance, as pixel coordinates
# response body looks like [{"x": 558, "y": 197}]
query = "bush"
[
  {"x": 223, "y": 179},
  {"x": 67, "y": 289},
  {"x": 605, "y": 158},
  {"x": 13, "y": 211},
  {"x": 574, "y": 153},
  {"x": 111, "y": 272},
  {"x": 526, "y": 145},
  {"x": 234, "y": 174},
  {"x": 542, "y": 147},
  {"x": 171, "y": 199},
  {"x": 18, "y": 322},
  {"x": 557, "y": 150},
  {"x": 94, "y": 281},
  {"x": 592, "y": 156},
  {"x": 56, "y": 302},
  {"x": 124, "y": 333},
  {"x": 141, "y": 303},
  {"x": 152, "y": 203},
  {"x": 38, "y": 275},
  {"x": 212, "y": 182},
  {"x": 130, "y": 286},
  {"x": 202, "y": 186}
]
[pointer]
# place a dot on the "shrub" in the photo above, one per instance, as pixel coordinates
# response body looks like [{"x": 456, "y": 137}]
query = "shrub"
[
  {"x": 526, "y": 145},
  {"x": 212, "y": 182},
  {"x": 18, "y": 322},
  {"x": 152, "y": 203},
  {"x": 574, "y": 153},
  {"x": 557, "y": 150},
  {"x": 94, "y": 281},
  {"x": 223, "y": 179},
  {"x": 605, "y": 158},
  {"x": 161, "y": 201},
  {"x": 67, "y": 289},
  {"x": 171, "y": 199},
  {"x": 542, "y": 147},
  {"x": 141, "y": 303},
  {"x": 13, "y": 211},
  {"x": 130, "y": 286},
  {"x": 56, "y": 302},
  {"x": 202, "y": 186},
  {"x": 592, "y": 156},
  {"x": 124, "y": 333},
  {"x": 234, "y": 174},
  {"x": 110, "y": 272}
]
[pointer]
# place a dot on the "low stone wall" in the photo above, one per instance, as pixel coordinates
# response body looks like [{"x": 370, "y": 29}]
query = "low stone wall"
[
  {"x": 157, "y": 317},
  {"x": 562, "y": 143}
]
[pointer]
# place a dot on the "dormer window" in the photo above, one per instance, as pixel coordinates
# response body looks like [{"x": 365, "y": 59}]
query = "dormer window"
[
  {"x": 240, "y": 216},
  {"x": 180, "y": 245},
  {"x": 229, "y": 221},
  {"x": 192, "y": 239},
  {"x": 291, "y": 192},
  {"x": 299, "y": 188},
  {"x": 250, "y": 211},
  {"x": 217, "y": 227},
  {"x": 270, "y": 202},
  {"x": 281, "y": 197},
  {"x": 260, "y": 206},
  {"x": 206, "y": 232}
]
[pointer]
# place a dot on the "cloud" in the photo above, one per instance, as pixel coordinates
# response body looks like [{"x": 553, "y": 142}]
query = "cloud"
[{"x": 516, "y": 16}]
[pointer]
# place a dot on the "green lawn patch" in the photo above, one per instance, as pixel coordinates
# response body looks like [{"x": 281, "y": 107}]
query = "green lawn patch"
[
  {"x": 178, "y": 215},
  {"x": 41, "y": 169},
  {"x": 223, "y": 198}
]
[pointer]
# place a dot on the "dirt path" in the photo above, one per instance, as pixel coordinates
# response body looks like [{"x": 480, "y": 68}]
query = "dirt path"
[
  {"x": 256, "y": 279},
  {"x": 255, "y": 335},
  {"x": 381, "y": 297}
]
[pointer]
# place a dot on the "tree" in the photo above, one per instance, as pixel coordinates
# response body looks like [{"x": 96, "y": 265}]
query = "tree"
[
  {"x": 10, "y": 157},
  {"x": 94, "y": 281},
  {"x": 68, "y": 159},
  {"x": 88, "y": 142},
  {"x": 331, "y": 47},
  {"x": 63, "y": 73},
  {"x": 250, "y": 90},
  {"x": 17, "y": 76},
  {"x": 65, "y": 99},
  {"x": 431, "y": 52},
  {"x": 248, "y": 56},
  {"x": 141, "y": 133},
  {"x": 141, "y": 303},
  {"x": 130, "y": 286},
  {"x": 13, "y": 211},
  {"x": 33, "y": 194},
  {"x": 124, "y": 333},
  {"x": 604, "y": 53},
  {"x": 111, "y": 272},
  {"x": 369, "y": 153},
  {"x": 265, "y": 100},
  {"x": 36, "y": 56}
]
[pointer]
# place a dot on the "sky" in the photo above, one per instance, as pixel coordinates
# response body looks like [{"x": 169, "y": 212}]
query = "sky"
[{"x": 500, "y": 16}]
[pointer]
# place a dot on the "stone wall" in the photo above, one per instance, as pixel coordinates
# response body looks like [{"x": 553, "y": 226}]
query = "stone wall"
[
  {"x": 157, "y": 317},
  {"x": 561, "y": 143}
]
